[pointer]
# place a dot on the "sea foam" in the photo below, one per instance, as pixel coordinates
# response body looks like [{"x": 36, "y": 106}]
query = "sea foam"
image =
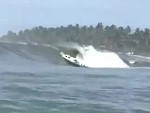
[{"x": 91, "y": 57}]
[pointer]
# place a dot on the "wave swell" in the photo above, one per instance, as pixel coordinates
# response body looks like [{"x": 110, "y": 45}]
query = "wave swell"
[{"x": 29, "y": 53}]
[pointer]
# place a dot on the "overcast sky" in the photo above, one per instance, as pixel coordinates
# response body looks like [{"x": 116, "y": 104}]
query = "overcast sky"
[{"x": 17, "y": 15}]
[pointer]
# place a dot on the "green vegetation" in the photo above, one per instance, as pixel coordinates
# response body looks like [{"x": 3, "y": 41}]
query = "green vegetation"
[{"x": 107, "y": 37}]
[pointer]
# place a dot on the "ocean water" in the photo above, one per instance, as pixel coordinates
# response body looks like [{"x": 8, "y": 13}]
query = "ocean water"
[
  {"x": 44, "y": 88},
  {"x": 36, "y": 79}
]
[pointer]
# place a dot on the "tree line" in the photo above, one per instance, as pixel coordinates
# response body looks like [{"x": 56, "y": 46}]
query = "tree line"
[{"x": 111, "y": 37}]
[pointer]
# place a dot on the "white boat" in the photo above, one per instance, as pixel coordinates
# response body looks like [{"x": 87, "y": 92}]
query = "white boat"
[{"x": 71, "y": 60}]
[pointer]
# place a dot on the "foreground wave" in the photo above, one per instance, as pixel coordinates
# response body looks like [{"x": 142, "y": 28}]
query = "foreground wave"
[{"x": 42, "y": 89}]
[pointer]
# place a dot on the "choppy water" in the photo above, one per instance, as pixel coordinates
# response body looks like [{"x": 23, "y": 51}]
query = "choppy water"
[{"x": 65, "y": 89}]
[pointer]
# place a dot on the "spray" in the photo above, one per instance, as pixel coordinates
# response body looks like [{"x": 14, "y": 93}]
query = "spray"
[{"x": 99, "y": 59}]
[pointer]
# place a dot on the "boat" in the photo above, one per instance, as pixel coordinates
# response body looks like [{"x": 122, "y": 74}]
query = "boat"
[{"x": 71, "y": 60}]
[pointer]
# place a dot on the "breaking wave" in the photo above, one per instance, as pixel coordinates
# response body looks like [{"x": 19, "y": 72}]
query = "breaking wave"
[
  {"x": 31, "y": 53},
  {"x": 91, "y": 57}
]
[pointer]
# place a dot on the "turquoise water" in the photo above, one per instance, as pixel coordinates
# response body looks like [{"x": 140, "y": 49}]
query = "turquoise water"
[{"x": 65, "y": 89}]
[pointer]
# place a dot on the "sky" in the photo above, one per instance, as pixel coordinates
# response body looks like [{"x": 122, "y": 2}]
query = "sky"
[{"x": 16, "y": 15}]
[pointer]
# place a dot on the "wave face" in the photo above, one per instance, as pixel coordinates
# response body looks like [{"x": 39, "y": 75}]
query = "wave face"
[
  {"x": 99, "y": 59},
  {"x": 22, "y": 54}
]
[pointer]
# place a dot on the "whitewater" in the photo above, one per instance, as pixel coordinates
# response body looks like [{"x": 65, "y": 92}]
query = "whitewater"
[{"x": 93, "y": 58}]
